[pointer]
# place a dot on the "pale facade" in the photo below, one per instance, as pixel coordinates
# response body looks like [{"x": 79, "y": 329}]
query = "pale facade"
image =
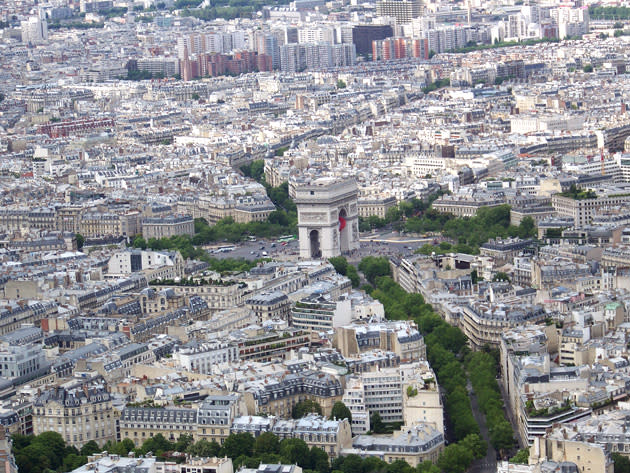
[
  {"x": 328, "y": 218},
  {"x": 78, "y": 415}
]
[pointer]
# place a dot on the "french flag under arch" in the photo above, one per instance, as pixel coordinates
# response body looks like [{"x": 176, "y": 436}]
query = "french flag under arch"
[{"x": 342, "y": 223}]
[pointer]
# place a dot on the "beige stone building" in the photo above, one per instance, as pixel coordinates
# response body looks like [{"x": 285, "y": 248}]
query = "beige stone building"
[
  {"x": 270, "y": 306},
  {"x": 141, "y": 423},
  {"x": 589, "y": 457},
  {"x": 166, "y": 227},
  {"x": 581, "y": 211},
  {"x": 78, "y": 414},
  {"x": 484, "y": 323},
  {"x": 217, "y": 296}
]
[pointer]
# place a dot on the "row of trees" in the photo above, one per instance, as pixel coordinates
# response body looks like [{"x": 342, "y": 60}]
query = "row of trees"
[
  {"x": 356, "y": 464},
  {"x": 373, "y": 267},
  {"x": 279, "y": 222},
  {"x": 609, "y": 13},
  {"x": 482, "y": 367},
  {"x": 470, "y": 233},
  {"x": 397, "y": 215},
  {"x": 447, "y": 351},
  {"x": 48, "y": 452},
  {"x": 342, "y": 267}
]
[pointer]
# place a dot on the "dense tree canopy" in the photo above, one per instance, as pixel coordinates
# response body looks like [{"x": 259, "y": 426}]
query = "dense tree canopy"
[
  {"x": 342, "y": 267},
  {"x": 374, "y": 266},
  {"x": 341, "y": 411},
  {"x": 306, "y": 407},
  {"x": 469, "y": 233}
]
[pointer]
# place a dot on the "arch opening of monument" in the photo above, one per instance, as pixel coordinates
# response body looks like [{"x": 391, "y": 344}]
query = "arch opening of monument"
[
  {"x": 344, "y": 241},
  {"x": 316, "y": 251}
]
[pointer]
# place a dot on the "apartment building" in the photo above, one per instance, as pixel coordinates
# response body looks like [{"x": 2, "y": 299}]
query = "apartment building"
[
  {"x": 504, "y": 251},
  {"x": 463, "y": 207},
  {"x": 332, "y": 436},
  {"x": 583, "y": 210},
  {"x": 269, "y": 345},
  {"x": 218, "y": 295},
  {"x": 375, "y": 205},
  {"x": 21, "y": 360},
  {"x": 279, "y": 396},
  {"x": 354, "y": 399},
  {"x": 407, "y": 393},
  {"x": 400, "y": 337},
  {"x": 168, "y": 226},
  {"x": 403, "y": 10},
  {"x": 141, "y": 423},
  {"x": 318, "y": 313},
  {"x": 484, "y": 323},
  {"x": 78, "y": 414},
  {"x": 202, "y": 357},
  {"x": 587, "y": 456},
  {"x": 215, "y": 416},
  {"x": 413, "y": 444},
  {"x": 269, "y": 306},
  {"x": 14, "y": 314},
  {"x": 155, "y": 264}
]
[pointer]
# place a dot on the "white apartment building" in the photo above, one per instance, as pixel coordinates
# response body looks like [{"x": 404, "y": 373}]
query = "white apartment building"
[
  {"x": 125, "y": 262},
  {"x": 354, "y": 399},
  {"x": 202, "y": 357},
  {"x": 407, "y": 393},
  {"x": 34, "y": 30}
]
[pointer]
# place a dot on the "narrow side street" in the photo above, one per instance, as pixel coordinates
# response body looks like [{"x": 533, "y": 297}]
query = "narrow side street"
[{"x": 487, "y": 464}]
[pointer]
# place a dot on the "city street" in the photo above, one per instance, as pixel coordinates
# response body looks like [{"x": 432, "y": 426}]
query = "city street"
[
  {"x": 487, "y": 464},
  {"x": 385, "y": 244}
]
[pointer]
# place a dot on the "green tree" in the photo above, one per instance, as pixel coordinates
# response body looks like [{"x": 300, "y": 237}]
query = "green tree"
[
  {"x": 139, "y": 242},
  {"x": 374, "y": 266},
  {"x": 156, "y": 444},
  {"x": 501, "y": 276},
  {"x": 476, "y": 445},
  {"x": 376, "y": 423},
  {"x": 400, "y": 466},
  {"x": 303, "y": 408},
  {"x": 522, "y": 456},
  {"x": 195, "y": 96},
  {"x": 455, "y": 458},
  {"x": 239, "y": 444},
  {"x": 73, "y": 461},
  {"x": 35, "y": 458},
  {"x": 183, "y": 443},
  {"x": 502, "y": 435},
  {"x": 54, "y": 443},
  {"x": 341, "y": 84},
  {"x": 374, "y": 465},
  {"x": 588, "y": 68},
  {"x": 90, "y": 448},
  {"x": 428, "y": 467},
  {"x": 340, "y": 411},
  {"x": 348, "y": 464},
  {"x": 80, "y": 240},
  {"x": 622, "y": 463},
  {"x": 318, "y": 460},
  {"x": 266, "y": 442},
  {"x": 295, "y": 451},
  {"x": 353, "y": 276},
  {"x": 203, "y": 448},
  {"x": 527, "y": 228},
  {"x": 340, "y": 264}
]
